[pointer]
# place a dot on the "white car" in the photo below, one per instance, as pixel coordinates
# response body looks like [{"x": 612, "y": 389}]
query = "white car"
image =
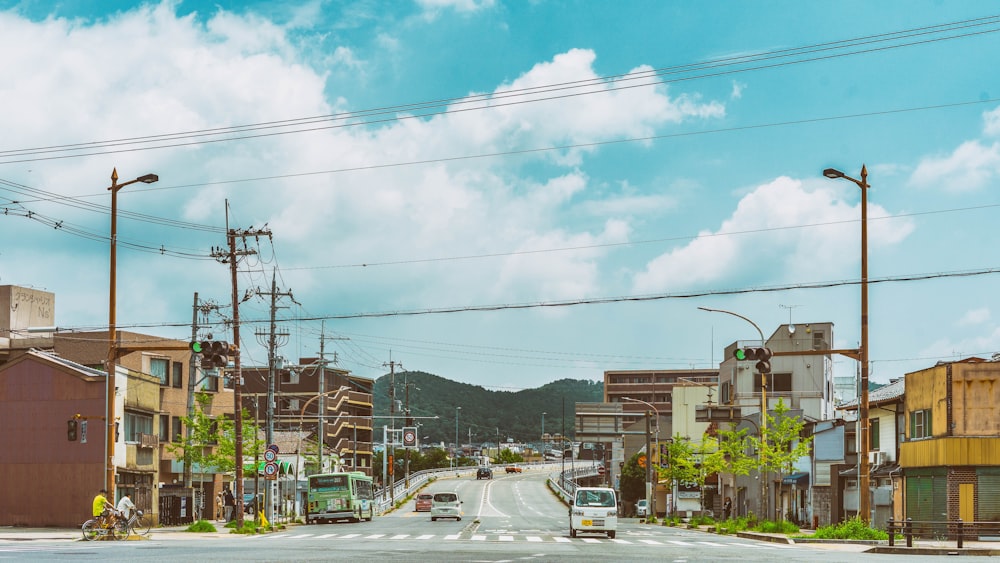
[
  {"x": 641, "y": 510},
  {"x": 594, "y": 509},
  {"x": 446, "y": 505}
]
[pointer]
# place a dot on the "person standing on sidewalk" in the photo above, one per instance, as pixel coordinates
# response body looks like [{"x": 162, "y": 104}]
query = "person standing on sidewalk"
[
  {"x": 230, "y": 502},
  {"x": 220, "y": 506}
]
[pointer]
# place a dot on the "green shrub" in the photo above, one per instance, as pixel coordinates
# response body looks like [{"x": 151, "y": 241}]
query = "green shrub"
[
  {"x": 201, "y": 526},
  {"x": 732, "y": 526},
  {"x": 249, "y": 527},
  {"x": 853, "y": 529},
  {"x": 672, "y": 521},
  {"x": 702, "y": 521},
  {"x": 782, "y": 527}
]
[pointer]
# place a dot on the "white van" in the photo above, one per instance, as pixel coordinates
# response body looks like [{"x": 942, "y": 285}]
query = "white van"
[{"x": 594, "y": 509}]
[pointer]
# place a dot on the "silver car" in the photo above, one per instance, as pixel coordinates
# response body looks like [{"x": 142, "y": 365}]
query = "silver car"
[
  {"x": 641, "y": 510},
  {"x": 446, "y": 505}
]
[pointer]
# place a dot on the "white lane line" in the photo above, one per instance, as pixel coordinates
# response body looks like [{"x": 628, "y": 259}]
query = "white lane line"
[
  {"x": 712, "y": 543},
  {"x": 451, "y": 537},
  {"x": 478, "y": 538},
  {"x": 534, "y": 538},
  {"x": 400, "y": 537},
  {"x": 622, "y": 541},
  {"x": 561, "y": 539},
  {"x": 276, "y": 536},
  {"x": 506, "y": 538},
  {"x": 684, "y": 543},
  {"x": 349, "y": 536},
  {"x": 374, "y": 536},
  {"x": 425, "y": 537},
  {"x": 324, "y": 536},
  {"x": 300, "y": 536},
  {"x": 651, "y": 542},
  {"x": 591, "y": 540}
]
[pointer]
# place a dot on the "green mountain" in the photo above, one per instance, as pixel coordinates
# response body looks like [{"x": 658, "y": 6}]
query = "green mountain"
[{"x": 487, "y": 414}]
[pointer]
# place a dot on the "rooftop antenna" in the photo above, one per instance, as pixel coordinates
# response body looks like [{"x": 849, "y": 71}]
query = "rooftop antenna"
[{"x": 791, "y": 327}]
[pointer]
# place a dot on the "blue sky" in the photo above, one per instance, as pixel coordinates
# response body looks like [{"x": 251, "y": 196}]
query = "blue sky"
[{"x": 485, "y": 154}]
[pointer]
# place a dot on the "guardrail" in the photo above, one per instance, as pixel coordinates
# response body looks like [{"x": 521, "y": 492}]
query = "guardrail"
[
  {"x": 952, "y": 530},
  {"x": 564, "y": 482}
]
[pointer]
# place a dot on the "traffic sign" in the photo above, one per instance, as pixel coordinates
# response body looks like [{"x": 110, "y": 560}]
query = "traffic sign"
[
  {"x": 601, "y": 470},
  {"x": 273, "y": 447},
  {"x": 270, "y": 455},
  {"x": 271, "y": 470}
]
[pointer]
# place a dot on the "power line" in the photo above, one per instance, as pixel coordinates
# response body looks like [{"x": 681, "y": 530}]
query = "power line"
[{"x": 490, "y": 101}]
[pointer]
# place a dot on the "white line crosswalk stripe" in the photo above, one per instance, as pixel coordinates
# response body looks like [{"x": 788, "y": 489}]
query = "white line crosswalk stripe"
[
  {"x": 425, "y": 537},
  {"x": 374, "y": 536},
  {"x": 534, "y": 538},
  {"x": 452, "y": 537},
  {"x": 324, "y": 536},
  {"x": 400, "y": 537},
  {"x": 506, "y": 538},
  {"x": 651, "y": 542},
  {"x": 562, "y": 540}
]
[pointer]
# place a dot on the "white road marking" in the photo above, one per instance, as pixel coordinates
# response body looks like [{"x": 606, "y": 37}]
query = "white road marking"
[
  {"x": 534, "y": 538},
  {"x": 506, "y": 538},
  {"x": 451, "y": 537}
]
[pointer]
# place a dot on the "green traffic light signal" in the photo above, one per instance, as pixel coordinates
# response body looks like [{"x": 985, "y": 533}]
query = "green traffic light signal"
[
  {"x": 197, "y": 348},
  {"x": 740, "y": 354}
]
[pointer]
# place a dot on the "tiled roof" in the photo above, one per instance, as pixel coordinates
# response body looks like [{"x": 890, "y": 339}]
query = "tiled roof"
[
  {"x": 51, "y": 356},
  {"x": 885, "y": 394}
]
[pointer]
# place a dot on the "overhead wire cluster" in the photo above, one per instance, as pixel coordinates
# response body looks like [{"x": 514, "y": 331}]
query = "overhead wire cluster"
[{"x": 359, "y": 352}]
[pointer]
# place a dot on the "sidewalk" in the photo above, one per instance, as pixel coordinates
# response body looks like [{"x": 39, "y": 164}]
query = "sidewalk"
[{"x": 8, "y": 533}]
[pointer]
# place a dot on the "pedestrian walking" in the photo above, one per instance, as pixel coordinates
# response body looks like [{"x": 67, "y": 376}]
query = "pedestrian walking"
[
  {"x": 727, "y": 508},
  {"x": 220, "y": 506},
  {"x": 230, "y": 503}
]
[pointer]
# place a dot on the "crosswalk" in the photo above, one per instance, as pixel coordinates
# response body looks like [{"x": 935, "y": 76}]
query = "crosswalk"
[{"x": 528, "y": 538}]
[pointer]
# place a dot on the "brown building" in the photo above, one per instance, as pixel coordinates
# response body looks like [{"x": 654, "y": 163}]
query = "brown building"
[
  {"x": 49, "y": 479},
  {"x": 951, "y": 455},
  {"x": 346, "y": 398},
  {"x": 652, "y": 386}
]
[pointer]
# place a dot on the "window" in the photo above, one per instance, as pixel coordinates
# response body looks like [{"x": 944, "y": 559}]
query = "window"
[
  {"x": 137, "y": 423},
  {"x": 178, "y": 374},
  {"x": 920, "y": 424},
  {"x": 177, "y": 431},
  {"x": 158, "y": 367},
  {"x": 873, "y": 434},
  {"x": 164, "y": 427},
  {"x": 776, "y": 383}
]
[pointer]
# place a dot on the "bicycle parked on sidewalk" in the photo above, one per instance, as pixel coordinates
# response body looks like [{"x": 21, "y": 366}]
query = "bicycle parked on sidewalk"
[{"x": 111, "y": 525}]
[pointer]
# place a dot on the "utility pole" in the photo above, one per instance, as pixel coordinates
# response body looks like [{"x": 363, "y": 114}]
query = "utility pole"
[
  {"x": 392, "y": 421},
  {"x": 204, "y": 308},
  {"x": 231, "y": 257},
  {"x": 272, "y": 350}
]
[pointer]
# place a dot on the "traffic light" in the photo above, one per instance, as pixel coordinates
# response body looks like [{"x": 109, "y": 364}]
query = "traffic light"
[
  {"x": 761, "y": 355},
  {"x": 214, "y": 353},
  {"x": 71, "y": 427}
]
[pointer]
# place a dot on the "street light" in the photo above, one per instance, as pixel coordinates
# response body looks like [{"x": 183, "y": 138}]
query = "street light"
[
  {"x": 543, "y": 432},
  {"x": 762, "y": 430},
  {"x": 650, "y": 483},
  {"x": 455, "y": 456},
  {"x": 109, "y": 446},
  {"x": 864, "y": 502}
]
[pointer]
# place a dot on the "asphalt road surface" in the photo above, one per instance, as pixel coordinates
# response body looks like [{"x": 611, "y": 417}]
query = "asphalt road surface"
[{"x": 511, "y": 518}]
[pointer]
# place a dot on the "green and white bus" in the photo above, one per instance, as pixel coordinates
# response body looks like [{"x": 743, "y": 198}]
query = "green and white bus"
[{"x": 340, "y": 496}]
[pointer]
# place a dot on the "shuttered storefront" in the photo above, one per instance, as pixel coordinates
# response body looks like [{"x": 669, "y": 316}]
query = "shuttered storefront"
[
  {"x": 927, "y": 494},
  {"x": 988, "y": 494}
]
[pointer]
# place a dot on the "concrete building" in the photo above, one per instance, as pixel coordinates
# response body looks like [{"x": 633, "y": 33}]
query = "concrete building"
[
  {"x": 347, "y": 400},
  {"x": 652, "y": 386}
]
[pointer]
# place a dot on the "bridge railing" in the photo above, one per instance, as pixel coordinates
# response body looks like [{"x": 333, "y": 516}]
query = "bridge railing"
[{"x": 951, "y": 530}]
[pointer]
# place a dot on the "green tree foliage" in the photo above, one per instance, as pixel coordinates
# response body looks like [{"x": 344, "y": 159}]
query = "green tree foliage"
[
  {"x": 737, "y": 446},
  {"x": 633, "y": 481},
  {"x": 507, "y": 456},
  {"x": 783, "y": 445},
  {"x": 491, "y": 415}
]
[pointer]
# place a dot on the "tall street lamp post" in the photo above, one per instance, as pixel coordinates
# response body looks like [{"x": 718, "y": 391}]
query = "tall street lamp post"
[
  {"x": 543, "y": 432},
  {"x": 109, "y": 446},
  {"x": 764, "y": 501},
  {"x": 455, "y": 456},
  {"x": 651, "y": 483},
  {"x": 864, "y": 502}
]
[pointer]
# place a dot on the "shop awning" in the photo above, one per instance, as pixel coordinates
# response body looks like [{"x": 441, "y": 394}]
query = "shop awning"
[{"x": 796, "y": 479}]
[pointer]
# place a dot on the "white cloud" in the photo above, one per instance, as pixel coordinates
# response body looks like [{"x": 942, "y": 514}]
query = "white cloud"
[
  {"x": 737, "y": 91},
  {"x": 968, "y": 168},
  {"x": 991, "y": 123},
  {"x": 775, "y": 235},
  {"x": 975, "y": 317},
  {"x": 457, "y": 5}
]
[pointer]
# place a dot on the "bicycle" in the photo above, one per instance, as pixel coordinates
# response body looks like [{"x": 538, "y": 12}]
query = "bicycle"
[
  {"x": 106, "y": 526},
  {"x": 139, "y": 523}
]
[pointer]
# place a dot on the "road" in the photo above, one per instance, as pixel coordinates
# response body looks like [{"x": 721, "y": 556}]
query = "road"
[{"x": 509, "y": 518}]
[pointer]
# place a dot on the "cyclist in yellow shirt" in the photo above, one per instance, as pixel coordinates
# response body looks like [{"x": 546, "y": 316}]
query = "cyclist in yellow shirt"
[{"x": 101, "y": 505}]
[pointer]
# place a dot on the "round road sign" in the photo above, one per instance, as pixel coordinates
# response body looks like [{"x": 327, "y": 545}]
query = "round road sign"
[
  {"x": 270, "y": 468},
  {"x": 601, "y": 470},
  {"x": 269, "y": 455}
]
